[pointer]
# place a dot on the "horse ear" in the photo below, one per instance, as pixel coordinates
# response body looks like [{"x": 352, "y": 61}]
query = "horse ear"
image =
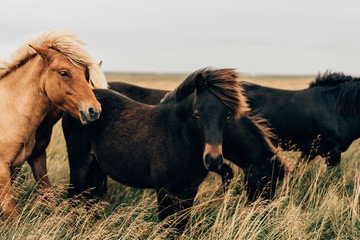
[
  {"x": 45, "y": 53},
  {"x": 100, "y": 64},
  {"x": 200, "y": 82}
]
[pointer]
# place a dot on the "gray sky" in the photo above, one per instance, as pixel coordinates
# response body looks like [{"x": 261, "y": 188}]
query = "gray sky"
[{"x": 254, "y": 36}]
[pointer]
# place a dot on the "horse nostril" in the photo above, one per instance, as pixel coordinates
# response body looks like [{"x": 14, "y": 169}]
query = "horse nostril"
[
  {"x": 219, "y": 160},
  {"x": 92, "y": 113},
  {"x": 213, "y": 163}
]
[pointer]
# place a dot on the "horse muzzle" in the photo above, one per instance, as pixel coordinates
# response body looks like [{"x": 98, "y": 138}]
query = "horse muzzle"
[
  {"x": 213, "y": 164},
  {"x": 89, "y": 115},
  {"x": 213, "y": 157}
]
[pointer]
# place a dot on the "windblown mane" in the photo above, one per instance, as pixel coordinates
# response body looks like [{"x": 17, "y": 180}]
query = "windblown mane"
[
  {"x": 260, "y": 126},
  {"x": 329, "y": 79},
  {"x": 221, "y": 82},
  {"x": 63, "y": 41},
  {"x": 347, "y": 102}
]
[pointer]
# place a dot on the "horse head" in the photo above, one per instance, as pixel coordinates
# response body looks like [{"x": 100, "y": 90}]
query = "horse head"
[
  {"x": 217, "y": 98},
  {"x": 66, "y": 86}
]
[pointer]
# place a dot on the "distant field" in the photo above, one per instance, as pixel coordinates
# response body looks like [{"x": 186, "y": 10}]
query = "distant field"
[
  {"x": 313, "y": 203},
  {"x": 170, "y": 81}
]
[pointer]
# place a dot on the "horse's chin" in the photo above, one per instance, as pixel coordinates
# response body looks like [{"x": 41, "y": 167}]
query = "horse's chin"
[
  {"x": 213, "y": 168},
  {"x": 83, "y": 119}
]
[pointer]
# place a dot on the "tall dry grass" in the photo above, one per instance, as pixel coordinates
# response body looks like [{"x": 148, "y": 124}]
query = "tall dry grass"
[{"x": 312, "y": 203}]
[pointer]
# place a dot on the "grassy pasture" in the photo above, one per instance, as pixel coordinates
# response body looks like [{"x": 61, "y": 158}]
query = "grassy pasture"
[{"x": 312, "y": 203}]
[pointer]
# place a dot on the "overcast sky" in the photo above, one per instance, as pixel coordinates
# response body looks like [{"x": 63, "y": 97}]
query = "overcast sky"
[{"x": 254, "y": 36}]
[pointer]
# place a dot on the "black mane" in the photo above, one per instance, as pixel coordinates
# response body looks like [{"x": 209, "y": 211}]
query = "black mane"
[
  {"x": 347, "y": 102},
  {"x": 329, "y": 79}
]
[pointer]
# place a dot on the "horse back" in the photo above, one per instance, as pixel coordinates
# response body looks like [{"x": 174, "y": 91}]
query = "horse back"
[{"x": 145, "y": 95}]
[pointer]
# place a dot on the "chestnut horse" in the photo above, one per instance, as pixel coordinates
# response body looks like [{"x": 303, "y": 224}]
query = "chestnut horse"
[
  {"x": 169, "y": 147},
  {"x": 68, "y": 43},
  {"x": 42, "y": 73}
]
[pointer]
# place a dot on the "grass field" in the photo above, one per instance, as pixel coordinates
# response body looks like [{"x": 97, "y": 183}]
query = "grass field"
[{"x": 312, "y": 203}]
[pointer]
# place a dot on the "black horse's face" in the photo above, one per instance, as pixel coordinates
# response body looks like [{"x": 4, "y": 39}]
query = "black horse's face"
[{"x": 210, "y": 115}]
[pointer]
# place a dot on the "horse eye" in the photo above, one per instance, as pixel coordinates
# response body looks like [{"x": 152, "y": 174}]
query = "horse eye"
[
  {"x": 228, "y": 116},
  {"x": 197, "y": 115},
  {"x": 63, "y": 73}
]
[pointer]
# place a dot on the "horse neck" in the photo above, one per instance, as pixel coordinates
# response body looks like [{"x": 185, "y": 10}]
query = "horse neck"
[{"x": 22, "y": 93}]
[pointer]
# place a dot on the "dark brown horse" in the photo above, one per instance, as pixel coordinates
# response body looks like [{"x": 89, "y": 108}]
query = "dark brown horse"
[
  {"x": 246, "y": 143},
  {"x": 168, "y": 147}
]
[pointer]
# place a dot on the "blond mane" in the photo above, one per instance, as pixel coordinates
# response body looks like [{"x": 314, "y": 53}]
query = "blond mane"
[{"x": 65, "y": 42}]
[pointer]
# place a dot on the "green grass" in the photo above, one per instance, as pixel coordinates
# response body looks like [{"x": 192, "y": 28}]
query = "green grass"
[{"x": 312, "y": 203}]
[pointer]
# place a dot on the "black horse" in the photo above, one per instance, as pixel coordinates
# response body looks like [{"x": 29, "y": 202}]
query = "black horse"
[
  {"x": 168, "y": 147},
  {"x": 320, "y": 120}
]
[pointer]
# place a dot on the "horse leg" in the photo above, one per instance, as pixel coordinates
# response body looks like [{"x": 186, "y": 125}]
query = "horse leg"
[
  {"x": 331, "y": 153},
  {"x": 37, "y": 163},
  {"x": 79, "y": 168},
  {"x": 258, "y": 185},
  {"x": 334, "y": 157},
  {"x": 14, "y": 173},
  {"x": 307, "y": 156},
  {"x": 7, "y": 203},
  {"x": 262, "y": 179},
  {"x": 38, "y": 167},
  {"x": 79, "y": 154},
  {"x": 227, "y": 175},
  {"x": 96, "y": 180},
  {"x": 171, "y": 203}
]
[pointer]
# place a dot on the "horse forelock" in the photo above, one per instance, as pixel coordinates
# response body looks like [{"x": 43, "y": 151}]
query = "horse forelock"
[
  {"x": 63, "y": 41},
  {"x": 224, "y": 85},
  {"x": 221, "y": 82}
]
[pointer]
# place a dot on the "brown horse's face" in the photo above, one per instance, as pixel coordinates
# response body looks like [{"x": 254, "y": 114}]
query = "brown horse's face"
[
  {"x": 66, "y": 86},
  {"x": 210, "y": 115}
]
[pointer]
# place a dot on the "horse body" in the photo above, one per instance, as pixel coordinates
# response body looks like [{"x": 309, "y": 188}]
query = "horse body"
[
  {"x": 246, "y": 144},
  {"x": 156, "y": 131},
  {"x": 307, "y": 118},
  {"x": 18, "y": 125},
  {"x": 29, "y": 86},
  {"x": 169, "y": 147}
]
